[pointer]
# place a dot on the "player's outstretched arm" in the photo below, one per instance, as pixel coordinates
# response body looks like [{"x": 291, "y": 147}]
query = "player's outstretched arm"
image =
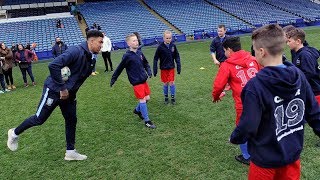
[
  {"x": 155, "y": 62},
  {"x": 146, "y": 66},
  {"x": 118, "y": 71},
  {"x": 219, "y": 83}
]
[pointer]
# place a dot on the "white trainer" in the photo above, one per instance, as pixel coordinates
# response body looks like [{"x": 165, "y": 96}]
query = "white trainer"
[
  {"x": 73, "y": 155},
  {"x": 12, "y": 142}
]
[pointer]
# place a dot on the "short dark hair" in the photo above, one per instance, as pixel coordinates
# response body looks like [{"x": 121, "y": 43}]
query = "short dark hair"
[
  {"x": 296, "y": 34},
  {"x": 94, "y": 33},
  {"x": 232, "y": 43},
  {"x": 222, "y": 26},
  {"x": 21, "y": 45},
  {"x": 271, "y": 37},
  {"x": 288, "y": 28}
]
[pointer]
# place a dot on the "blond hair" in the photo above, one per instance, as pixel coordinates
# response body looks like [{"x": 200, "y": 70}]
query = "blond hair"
[
  {"x": 166, "y": 32},
  {"x": 129, "y": 36}
]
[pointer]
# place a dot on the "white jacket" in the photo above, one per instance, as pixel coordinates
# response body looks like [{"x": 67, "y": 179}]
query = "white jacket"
[{"x": 106, "y": 44}]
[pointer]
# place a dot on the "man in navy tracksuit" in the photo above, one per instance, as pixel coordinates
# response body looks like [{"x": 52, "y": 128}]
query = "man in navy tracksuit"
[
  {"x": 216, "y": 48},
  {"x": 168, "y": 53},
  {"x": 276, "y": 105},
  {"x": 57, "y": 92},
  {"x": 138, "y": 70}
]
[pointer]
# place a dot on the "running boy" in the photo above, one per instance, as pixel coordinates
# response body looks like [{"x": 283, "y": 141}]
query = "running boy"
[
  {"x": 136, "y": 66},
  {"x": 238, "y": 68},
  {"x": 168, "y": 53},
  {"x": 276, "y": 104}
]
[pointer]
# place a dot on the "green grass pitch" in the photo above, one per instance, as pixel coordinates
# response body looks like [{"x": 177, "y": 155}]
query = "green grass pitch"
[{"x": 190, "y": 142}]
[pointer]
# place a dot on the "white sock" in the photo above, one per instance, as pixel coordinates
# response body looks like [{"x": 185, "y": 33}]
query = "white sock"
[
  {"x": 70, "y": 151},
  {"x": 14, "y": 134}
]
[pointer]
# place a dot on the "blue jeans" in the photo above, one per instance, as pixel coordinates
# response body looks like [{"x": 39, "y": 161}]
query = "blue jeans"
[{"x": 24, "y": 73}]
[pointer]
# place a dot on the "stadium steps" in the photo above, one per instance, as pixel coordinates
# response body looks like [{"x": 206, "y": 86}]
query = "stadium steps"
[
  {"x": 82, "y": 25},
  {"x": 157, "y": 15},
  {"x": 216, "y": 6}
]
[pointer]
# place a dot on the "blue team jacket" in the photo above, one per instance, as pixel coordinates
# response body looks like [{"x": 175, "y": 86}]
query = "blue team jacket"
[
  {"x": 79, "y": 60},
  {"x": 306, "y": 59},
  {"x": 167, "y": 55},
  {"x": 276, "y": 105},
  {"x": 136, "y": 66},
  {"x": 216, "y": 47}
]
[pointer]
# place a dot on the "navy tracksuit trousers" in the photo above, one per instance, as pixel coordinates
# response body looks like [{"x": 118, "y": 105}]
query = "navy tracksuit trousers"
[{"x": 49, "y": 101}]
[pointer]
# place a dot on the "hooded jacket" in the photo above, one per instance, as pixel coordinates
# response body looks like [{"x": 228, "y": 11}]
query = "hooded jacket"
[
  {"x": 57, "y": 49},
  {"x": 79, "y": 60},
  {"x": 236, "y": 70},
  {"x": 7, "y": 53},
  {"x": 276, "y": 105},
  {"x": 28, "y": 55},
  {"x": 137, "y": 68},
  {"x": 167, "y": 55},
  {"x": 306, "y": 59}
]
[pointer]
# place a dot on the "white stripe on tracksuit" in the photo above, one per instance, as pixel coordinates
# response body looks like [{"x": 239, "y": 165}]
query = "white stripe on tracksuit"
[{"x": 44, "y": 99}]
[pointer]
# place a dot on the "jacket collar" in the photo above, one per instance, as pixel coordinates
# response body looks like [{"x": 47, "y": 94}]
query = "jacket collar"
[{"x": 84, "y": 45}]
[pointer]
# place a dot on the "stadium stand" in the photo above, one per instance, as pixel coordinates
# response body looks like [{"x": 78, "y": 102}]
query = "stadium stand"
[
  {"x": 15, "y": 2},
  {"x": 37, "y": 11},
  {"x": 190, "y": 15},
  {"x": 303, "y": 8},
  {"x": 118, "y": 18},
  {"x": 256, "y": 12},
  {"x": 41, "y": 30}
]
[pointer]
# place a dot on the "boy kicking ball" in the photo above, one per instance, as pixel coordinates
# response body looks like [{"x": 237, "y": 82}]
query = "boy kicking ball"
[{"x": 138, "y": 70}]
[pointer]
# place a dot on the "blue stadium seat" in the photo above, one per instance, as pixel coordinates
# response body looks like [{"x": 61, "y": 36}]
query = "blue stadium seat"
[
  {"x": 43, "y": 32},
  {"x": 190, "y": 15},
  {"x": 115, "y": 19}
]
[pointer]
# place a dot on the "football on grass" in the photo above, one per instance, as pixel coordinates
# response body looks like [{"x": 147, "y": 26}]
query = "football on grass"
[{"x": 65, "y": 73}]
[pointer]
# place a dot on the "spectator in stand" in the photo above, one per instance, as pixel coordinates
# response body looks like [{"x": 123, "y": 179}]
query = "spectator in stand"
[
  {"x": 95, "y": 26},
  {"x": 7, "y": 65},
  {"x": 24, "y": 58},
  {"x": 59, "y": 24},
  {"x": 58, "y": 48}
]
